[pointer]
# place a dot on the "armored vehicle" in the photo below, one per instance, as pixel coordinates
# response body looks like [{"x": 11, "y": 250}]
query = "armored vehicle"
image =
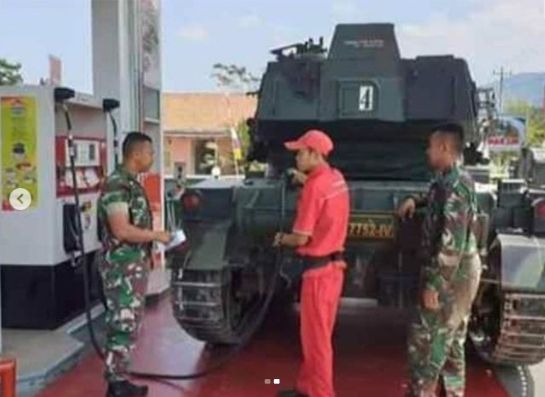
[
  {"x": 379, "y": 109},
  {"x": 531, "y": 166}
]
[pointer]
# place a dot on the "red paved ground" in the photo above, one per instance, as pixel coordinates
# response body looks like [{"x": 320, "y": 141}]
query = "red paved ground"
[{"x": 370, "y": 359}]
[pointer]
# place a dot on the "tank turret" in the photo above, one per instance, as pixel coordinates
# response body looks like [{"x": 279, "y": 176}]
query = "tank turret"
[{"x": 364, "y": 94}]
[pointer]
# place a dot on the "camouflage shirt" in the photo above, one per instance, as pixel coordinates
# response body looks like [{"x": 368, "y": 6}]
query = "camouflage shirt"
[
  {"x": 448, "y": 226},
  {"x": 122, "y": 192}
]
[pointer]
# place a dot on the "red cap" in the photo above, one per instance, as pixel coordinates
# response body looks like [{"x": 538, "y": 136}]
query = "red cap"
[{"x": 313, "y": 139}]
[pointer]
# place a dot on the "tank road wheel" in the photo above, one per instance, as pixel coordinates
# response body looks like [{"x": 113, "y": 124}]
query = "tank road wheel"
[
  {"x": 206, "y": 306},
  {"x": 509, "y": 328}
]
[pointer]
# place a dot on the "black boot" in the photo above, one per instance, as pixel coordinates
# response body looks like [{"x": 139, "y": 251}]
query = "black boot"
[
  {"x": 125, "y": 388},
  {"x": 290, "y": 393}
]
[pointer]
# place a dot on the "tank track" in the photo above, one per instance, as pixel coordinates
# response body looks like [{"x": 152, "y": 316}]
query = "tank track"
[
  {"x": 203, "y": 306},
  {"x": 521, "y": 337}
]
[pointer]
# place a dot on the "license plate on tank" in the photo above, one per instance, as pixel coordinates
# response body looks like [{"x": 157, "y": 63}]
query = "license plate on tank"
[{"x": 372, "y": 227}]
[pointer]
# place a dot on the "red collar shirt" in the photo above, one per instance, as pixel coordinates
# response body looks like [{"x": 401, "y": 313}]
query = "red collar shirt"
[{"x": 323, "y": 211}]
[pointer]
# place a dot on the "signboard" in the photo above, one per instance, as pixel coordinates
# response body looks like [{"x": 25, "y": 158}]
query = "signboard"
[
  {"x": 151, "y": 183},
  {"x": 509, "y": 135},
  {"x": 18, "y": 132},
  {"x": 235, "y": 142}
]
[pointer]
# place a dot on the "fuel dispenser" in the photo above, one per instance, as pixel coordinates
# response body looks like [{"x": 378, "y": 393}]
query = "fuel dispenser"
[
  {"x": 43, "y": 245},
  {"x": 40, "y": 251}
]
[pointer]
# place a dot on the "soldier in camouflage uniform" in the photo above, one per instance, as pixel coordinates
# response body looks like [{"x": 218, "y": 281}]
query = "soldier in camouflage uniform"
[
  {"x": 127, "y": 235},
  {"x": 450, "y": 273}
]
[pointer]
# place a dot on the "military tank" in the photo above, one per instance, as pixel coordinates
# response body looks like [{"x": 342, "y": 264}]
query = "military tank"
[
  {"x": 379, "y": 109},
  {"x": 531, "y": 166}
]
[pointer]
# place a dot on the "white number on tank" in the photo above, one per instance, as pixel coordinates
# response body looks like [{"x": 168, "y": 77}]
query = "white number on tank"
[{"x": 367, "y": 97}]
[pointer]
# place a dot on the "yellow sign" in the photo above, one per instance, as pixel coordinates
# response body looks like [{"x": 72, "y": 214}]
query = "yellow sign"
[
  {"x": 18, "y": 132},
  {"x": 237, "y": 154},
  {"x": 370, "y": 226}
]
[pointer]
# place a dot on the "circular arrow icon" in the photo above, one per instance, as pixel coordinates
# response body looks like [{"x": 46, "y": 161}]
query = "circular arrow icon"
[{"x": 20, "y": 199}]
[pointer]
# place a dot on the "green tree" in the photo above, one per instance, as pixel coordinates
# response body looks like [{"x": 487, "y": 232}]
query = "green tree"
[
  {"x": 243, "y": 132},
  {"x": 535, "y": 121},
  {"x": 234, "y": 78},
  {"x": 10, "y": 73},
  {"x": 230, "y": 79}
]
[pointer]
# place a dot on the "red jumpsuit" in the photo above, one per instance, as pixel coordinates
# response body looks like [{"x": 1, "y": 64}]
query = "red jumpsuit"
[{"x": 322, "y": 214}]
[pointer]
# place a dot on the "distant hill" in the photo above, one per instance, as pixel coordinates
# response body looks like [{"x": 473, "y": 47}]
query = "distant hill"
[{"x": 528, "y": 87}]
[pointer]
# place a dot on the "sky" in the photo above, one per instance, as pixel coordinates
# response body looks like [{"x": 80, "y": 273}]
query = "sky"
[{"x": 489, "y": 34}]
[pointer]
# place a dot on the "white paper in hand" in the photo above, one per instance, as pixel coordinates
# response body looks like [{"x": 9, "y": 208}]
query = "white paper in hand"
[{"x": 178, "y": 237}]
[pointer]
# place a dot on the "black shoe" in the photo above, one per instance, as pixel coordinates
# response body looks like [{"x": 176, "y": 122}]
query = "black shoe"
[
  {"x": 137, "y": 390},
  {"x": 290, "y": 393},
  {"x": 125, "y": 388}
]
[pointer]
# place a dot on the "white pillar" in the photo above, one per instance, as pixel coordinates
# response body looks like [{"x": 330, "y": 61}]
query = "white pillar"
[
  {"x": 115, "y": 61},
  {"x": 127, "y": 66}
]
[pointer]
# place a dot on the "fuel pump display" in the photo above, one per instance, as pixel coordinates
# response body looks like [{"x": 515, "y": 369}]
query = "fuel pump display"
[
  {"x": 90, "y": 158},
  {"x": 39, "y": 246},
  {"x": 89, "y": 162}
]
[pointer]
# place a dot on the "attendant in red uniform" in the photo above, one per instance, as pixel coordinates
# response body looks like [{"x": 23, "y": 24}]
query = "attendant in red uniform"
[{"x": 319, "y": 234}]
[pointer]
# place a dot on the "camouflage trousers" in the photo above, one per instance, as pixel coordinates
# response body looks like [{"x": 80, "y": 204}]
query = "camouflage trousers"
[
  {"x": 124, "y": 288},
  {"x": 436, "y": 343}
]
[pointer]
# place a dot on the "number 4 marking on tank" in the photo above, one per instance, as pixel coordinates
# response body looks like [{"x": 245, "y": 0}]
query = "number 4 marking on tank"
[{"x": 366, "y": 102}]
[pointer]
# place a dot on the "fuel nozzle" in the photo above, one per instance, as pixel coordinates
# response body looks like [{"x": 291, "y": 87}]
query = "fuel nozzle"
[
  {"x": 289, "y": 173},
  {"x": 290, "y": 176},
  {"x": 109, "y": 104},
  {"x": 62, "y": 94}
]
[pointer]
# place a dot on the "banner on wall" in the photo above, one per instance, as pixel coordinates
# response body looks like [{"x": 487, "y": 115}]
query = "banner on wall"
[
  {"x": 235, "y": 142},
  {"x": 151, "y": 183},
  {"x": 18, "y": 132},
  {"x": 510, "y": 135}
]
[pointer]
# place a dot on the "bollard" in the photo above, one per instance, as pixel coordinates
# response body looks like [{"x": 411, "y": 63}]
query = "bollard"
[{"x": 7, "y": 376}]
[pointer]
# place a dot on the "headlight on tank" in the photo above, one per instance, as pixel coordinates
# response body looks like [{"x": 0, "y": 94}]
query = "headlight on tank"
[{"x": 191, "y": 202}]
